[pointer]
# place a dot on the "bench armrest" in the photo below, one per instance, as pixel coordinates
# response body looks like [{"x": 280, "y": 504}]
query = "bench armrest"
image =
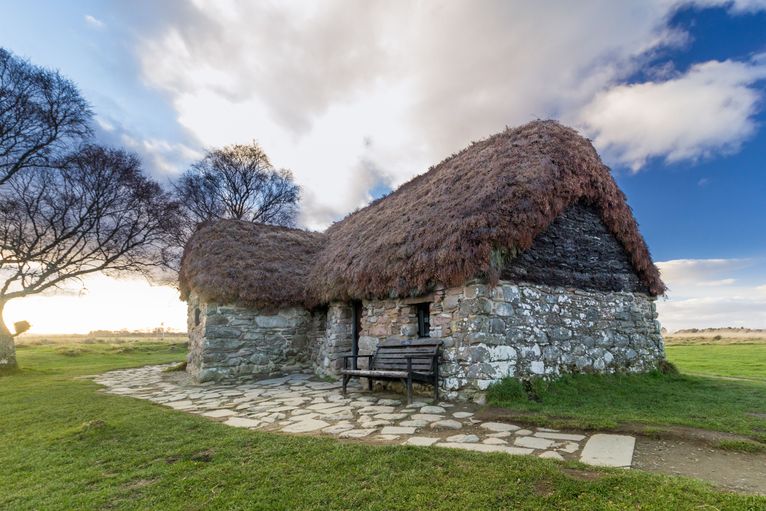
[{"x": 346, "y": 357}]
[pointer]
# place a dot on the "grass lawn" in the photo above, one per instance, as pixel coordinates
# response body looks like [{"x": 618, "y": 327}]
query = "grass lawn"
[
  {"x": 732, "y": 360},
  {"x": 696, "y": 398},
  {"x": 64, "y": 445}
]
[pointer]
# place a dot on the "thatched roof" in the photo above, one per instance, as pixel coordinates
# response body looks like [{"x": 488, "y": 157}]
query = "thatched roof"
[
  {"x": 446, "y": 226},
  {"x": 233, "y": 261}
]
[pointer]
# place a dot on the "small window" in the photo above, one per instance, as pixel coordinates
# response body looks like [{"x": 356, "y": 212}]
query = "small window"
[
  {"x": 424, "y": 319},
  {"x": 196, "y": 316}
]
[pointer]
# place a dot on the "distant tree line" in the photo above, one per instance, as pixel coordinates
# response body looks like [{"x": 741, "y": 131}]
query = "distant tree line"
[{"x": 70, "y": 207}]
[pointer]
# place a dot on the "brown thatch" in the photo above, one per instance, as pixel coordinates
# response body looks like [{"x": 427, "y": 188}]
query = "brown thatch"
[
  {"x": 232, "y": 261},
  {"x": 446, "y": 226},
  {"x": 495, "y": 196}
]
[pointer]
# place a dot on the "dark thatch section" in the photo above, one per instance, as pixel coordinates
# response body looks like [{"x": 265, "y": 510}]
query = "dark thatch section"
[
  {"x": 232, "y": 261},
  {"x": 492, "y": 198},
  {"x": 464, "y": 218}
]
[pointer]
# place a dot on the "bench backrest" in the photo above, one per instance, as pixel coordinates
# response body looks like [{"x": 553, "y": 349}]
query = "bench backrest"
[{"x": 391, "y": 354}]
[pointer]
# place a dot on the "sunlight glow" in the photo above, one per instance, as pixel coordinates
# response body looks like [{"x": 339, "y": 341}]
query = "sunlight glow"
[{"x": 101, "y": 302}]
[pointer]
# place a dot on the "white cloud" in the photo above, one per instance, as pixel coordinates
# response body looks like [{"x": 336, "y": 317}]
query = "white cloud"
[
  {"x": 713, "y": 293},
  {"x": 705, "y": 111},
  {"x": 311, "y": 81},
  {"x": 94, "y": 22}
]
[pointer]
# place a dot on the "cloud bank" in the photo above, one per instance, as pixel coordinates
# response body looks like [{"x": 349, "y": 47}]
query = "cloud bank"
[
  {"x": 713, "y": 293},
  {"x": 314, "y": 82}
]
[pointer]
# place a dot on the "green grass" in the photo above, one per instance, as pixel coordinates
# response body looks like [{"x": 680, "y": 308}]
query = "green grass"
[
  {"x": 741, "y": 446},
  {"x": 65, "y": 445},
  {"x": 654, "y": 399},
  {"x": 730, "y": 360}
]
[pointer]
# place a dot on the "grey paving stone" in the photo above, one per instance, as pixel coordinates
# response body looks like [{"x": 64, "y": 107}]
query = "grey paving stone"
[
  {"x": 499, "y": 426},
  {"x": 560, "y": 436},
  {"x": 446, "y": 424},
  {"x": 533, "y": 442},
  {"x": 305, "y": 426},
  {"x": 487, "y": 448},
  {"x": 220, "y": 413},
  {"x": 552, "y": 455},
  {"x": 463, "y": 439},
  {"x": 609, "y": 450},
  {"x": 422, "y": 441},
  {"x": 357, "y": 433},
  {"x": 241, "y": 422},
  {"x": 397, "y": 430}
]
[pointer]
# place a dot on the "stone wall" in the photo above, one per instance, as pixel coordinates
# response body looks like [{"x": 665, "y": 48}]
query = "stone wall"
[
  {"x": 577, "y": 250},
  {"x": 227, "y": 341},
  {"x": 333, "y": 337},
  {"x": 525, "y": 330}
]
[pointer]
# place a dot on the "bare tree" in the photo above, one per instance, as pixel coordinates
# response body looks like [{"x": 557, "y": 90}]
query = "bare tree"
[
  {"x": 93, "y": 211},
  {"x": 41, "y": 115},
  {"x": 238, "y": 181}
]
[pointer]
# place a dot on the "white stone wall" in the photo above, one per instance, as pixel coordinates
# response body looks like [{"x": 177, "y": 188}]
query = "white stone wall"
[
  {"x": 332, "y": 340},
  {"x": 232, "y": 341},
  {"x": 525, "y": 330},
  {"x": 517, "y": 330}
]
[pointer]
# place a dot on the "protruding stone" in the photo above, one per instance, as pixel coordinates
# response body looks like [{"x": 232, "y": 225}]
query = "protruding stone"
[
  {"x": 432, "y": 410},
  {"x": 446, "y": 424},
  {"x": 533, "y": 442},
  {"x": 422, "y": 441},
  {"x": 305, "y": 426},
  {"x": 552, "y": 455},
  {"x": 499, "y": 426},
  {"x": 397, "y": 430},
  {"x": 241, "y": 422},
  {"x": 466, "y": 439}
]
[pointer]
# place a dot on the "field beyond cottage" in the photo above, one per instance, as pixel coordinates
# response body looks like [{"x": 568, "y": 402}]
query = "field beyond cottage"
[{"x": 69, "y": 446}]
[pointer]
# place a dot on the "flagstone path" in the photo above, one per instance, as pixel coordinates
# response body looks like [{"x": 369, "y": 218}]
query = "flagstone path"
[{"x": 303, "y": 404}]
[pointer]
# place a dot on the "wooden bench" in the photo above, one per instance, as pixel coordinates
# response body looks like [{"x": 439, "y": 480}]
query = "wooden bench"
[{"x": 406, "y": 360}]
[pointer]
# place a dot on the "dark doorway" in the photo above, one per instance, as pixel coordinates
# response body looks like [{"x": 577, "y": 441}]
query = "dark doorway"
[{"x": 356, "y": 328}]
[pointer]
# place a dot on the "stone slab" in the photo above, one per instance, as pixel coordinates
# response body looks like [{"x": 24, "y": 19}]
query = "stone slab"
[
  {"x": 487, "y": 448},
  {"x": 446, "y": 424},
  {"x": 305, "y": 426},
  {"x": 240, "y": 422},
  {"x": 560, "y": 436},
  {"x": 609, "y": 450},
  {"x": 533, "y": 442},
  {"x": 552, "y": 455},
  {"x": 397, "y": 430},
  {"x": 357, "y": 433},
  {"x": 463, "y": 439},
  {"x": 499, "y": 426},
  {"x": 219, "y": 414},
  {"x": 422, "y": 441}
]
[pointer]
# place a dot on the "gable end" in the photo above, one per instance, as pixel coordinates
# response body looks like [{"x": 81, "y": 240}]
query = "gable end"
[{"x": 577, "y": 250}]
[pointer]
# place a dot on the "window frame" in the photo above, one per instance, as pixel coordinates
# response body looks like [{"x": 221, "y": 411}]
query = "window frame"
[{"x": 423, "y": 312}]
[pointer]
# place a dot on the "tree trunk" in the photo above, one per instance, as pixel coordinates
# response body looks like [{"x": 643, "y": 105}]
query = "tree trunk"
[{"x": 7, "y": 345}]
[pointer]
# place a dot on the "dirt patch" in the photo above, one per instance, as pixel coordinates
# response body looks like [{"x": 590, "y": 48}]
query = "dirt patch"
[
  {"x": 544, "y": 488},
  {"x": 736, "y": 471},
  {"x": 139, "y": 483}
]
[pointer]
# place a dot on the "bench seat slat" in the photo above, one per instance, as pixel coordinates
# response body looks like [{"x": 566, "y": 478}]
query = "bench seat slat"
[{"x": 374, "y": 372}]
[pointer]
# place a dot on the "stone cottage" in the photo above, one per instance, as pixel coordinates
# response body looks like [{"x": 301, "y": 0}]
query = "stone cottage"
[{"x": 519, "y": 252}]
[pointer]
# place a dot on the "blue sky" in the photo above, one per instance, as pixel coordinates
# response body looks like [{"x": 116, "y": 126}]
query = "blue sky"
[{"x": 356, "y": 99}]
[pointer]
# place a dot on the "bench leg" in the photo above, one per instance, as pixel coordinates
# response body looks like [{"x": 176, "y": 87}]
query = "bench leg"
[
  {"x": 369, "y": 384},
  {"x": 409, "y": 389},
  {"x": 436, "y": 390},
  {"x": 346, "y": 379}
]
